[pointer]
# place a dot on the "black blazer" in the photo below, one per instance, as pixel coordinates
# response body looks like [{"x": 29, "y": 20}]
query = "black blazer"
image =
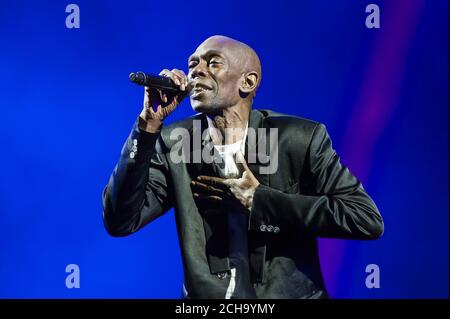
[{"x": 310, "y": 195}]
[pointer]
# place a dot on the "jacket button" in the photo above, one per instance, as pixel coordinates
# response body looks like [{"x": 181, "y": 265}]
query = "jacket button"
[
  {"x": 276, "y": 229},
  {"x": 222, "y": 274},
  {"x": 263, "y": 227},
  {"x": 270, "y": 228}
]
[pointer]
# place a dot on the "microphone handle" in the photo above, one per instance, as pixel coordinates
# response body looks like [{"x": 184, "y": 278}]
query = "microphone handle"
[{"x": 154, "y": 81}]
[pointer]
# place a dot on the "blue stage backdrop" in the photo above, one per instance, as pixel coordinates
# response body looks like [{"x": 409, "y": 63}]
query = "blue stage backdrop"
[{"x": 67, "y": 107}]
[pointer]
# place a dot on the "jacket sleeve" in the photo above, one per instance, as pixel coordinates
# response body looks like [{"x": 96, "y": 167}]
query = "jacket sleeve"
[
  {"x": 139, "y": 188},
  {"x": 334, "y": 206}
]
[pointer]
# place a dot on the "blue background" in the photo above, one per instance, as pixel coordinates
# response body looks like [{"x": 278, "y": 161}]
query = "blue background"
[{"x": 67, "y": 107}]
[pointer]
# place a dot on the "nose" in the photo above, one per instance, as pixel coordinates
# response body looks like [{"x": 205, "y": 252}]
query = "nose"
[{"x": 198, "y": 71}]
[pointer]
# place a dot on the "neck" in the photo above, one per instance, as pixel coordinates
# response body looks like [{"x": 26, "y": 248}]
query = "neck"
[{"x": 229, "y": 126}]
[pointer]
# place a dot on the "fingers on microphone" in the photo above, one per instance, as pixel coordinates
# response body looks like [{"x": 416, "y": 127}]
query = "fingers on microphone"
[
  {"x": 164, "y": 72},
  {"x": 181, "y": 78},
  {"x": 171, "y": 75},
  {"x": 180, "y": 75},
  {"x": 162, "y": 96},
  {"x": 177, "y": 76}
]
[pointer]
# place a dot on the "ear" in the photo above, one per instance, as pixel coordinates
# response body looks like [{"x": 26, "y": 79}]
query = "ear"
[{"x": 249, "y": 82}]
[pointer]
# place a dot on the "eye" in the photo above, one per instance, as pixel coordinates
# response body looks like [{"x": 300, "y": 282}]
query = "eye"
[
  {"x": 192, "y": 64},
  {"x": 215, "y": 62}
]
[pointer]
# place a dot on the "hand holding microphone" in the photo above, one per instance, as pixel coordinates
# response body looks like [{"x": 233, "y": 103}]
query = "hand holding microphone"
[{"x": 161, "y": 96}]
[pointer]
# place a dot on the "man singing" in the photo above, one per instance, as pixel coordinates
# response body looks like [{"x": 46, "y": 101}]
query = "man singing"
[{"x": 247, "y": 226}]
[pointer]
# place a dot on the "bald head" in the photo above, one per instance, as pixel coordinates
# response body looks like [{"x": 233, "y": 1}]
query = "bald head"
[
  {"x": 228, "y": 70},
  {"x": 241, "y": 53}
]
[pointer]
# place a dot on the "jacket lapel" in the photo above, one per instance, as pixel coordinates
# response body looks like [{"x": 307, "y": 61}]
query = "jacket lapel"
[
  {"x": 253, "y": 146},
  {"x": 256, "y": 243}
]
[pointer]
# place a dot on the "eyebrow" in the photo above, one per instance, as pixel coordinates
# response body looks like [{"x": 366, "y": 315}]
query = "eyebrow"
[{"x": 206, "y": 54}]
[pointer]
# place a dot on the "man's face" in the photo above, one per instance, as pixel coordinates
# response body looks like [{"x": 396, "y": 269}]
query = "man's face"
[{"x": 215, "y": 72}]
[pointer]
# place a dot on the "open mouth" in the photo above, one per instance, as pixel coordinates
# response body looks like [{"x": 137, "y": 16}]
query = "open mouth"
[{"x": 199, "y": 89}]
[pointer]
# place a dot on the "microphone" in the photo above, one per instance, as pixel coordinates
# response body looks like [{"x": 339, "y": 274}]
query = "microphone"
[{"x": 154, "y": 81}]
